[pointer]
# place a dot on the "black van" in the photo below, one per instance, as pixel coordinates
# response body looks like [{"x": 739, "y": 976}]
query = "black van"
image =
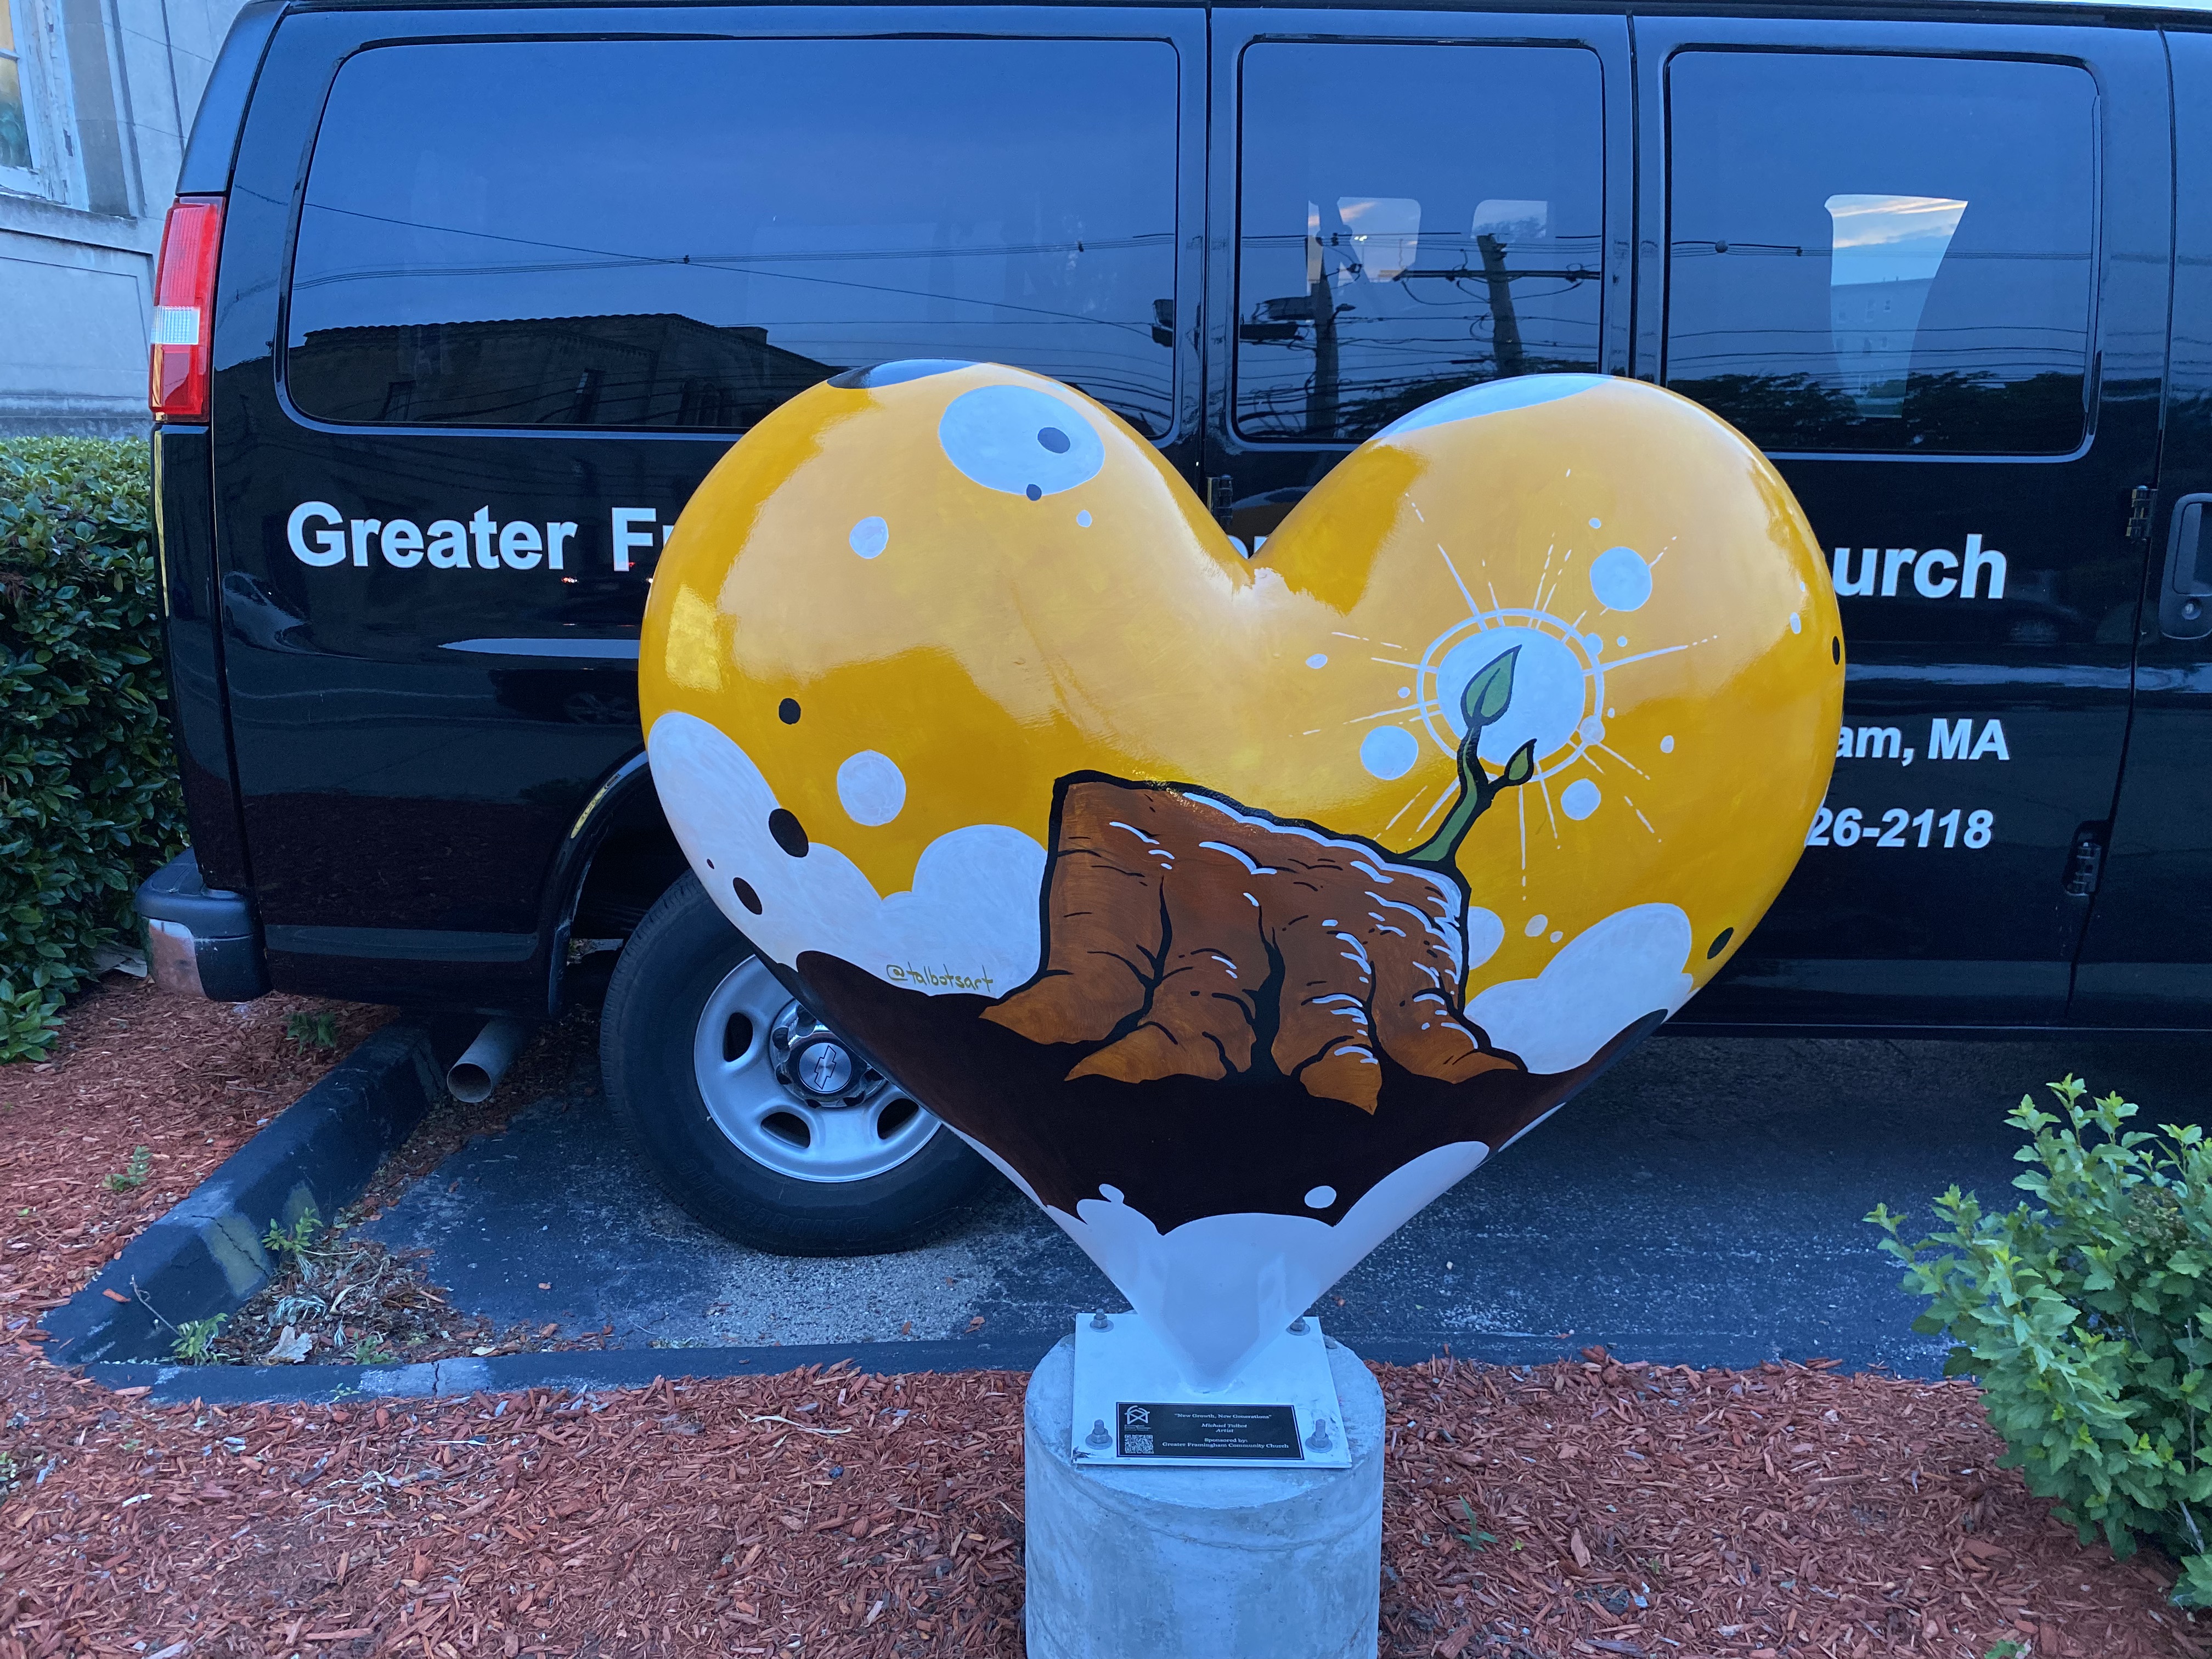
[{"x": 458, "y": 303}]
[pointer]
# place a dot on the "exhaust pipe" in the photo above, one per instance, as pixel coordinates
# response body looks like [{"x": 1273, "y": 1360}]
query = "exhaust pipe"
[{"x": 478, "y": 1072}]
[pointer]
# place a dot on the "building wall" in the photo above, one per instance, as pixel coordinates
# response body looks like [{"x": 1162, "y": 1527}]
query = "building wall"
[{"x": 108, "y": 92}]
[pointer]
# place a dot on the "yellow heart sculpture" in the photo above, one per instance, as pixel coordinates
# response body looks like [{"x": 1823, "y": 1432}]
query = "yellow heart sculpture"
[{"x": 1236, "y": 906}]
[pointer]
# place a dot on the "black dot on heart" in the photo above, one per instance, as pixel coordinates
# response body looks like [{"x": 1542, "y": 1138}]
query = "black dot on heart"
[
  {"x": 789, "y": 833},
  {"x": 746, "y": 897},
  {"x": 1836, "y": 648},
  {"x": 787, "y": 711},
  {"x": 1034, "y": 493},
  {"x": 1720, "y": 942},
  {"x": 1052, "y": 438}
]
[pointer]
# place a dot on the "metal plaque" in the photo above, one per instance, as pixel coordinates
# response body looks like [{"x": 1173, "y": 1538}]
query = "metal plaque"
[
  {"x": 1135, "y": 1409},
  {"x": 1229, "y": 1433}
]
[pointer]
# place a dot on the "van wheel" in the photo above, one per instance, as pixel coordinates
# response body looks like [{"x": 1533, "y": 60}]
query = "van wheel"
[{"x": 751, "y": 1114}]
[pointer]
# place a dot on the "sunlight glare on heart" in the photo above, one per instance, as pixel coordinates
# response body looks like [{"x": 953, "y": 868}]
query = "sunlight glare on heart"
[{"x": 1561, "y": 680}]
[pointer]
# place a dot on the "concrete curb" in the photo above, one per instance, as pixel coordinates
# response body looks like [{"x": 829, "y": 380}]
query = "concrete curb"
[
  {"x": 204, "y": 1257},
  {"x": 588, "y": 1371},
  {"x": 581, "y": 1371}
]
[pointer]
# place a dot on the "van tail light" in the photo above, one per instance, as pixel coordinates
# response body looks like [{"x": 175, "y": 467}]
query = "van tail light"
[{"x": 184, "y": 309}]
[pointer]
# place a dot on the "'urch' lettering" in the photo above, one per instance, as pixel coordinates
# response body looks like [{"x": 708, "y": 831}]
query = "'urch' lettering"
[{"x": 1937, "y": 574}]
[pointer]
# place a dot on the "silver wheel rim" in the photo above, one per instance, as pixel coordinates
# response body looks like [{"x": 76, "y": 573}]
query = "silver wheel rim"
[{"x": 780, "y": 1126}]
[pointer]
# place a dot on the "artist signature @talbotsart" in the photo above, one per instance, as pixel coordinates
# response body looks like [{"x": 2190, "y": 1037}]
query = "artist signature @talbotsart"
[{"x": 943, "y": 977}]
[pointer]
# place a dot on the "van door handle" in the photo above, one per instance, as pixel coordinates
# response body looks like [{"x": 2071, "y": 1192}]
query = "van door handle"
[{"x": 2184, "y": 594}]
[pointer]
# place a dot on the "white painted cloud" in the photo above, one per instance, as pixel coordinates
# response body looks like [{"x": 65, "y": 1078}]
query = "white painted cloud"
[
  {"x": 1486, "y": 932},
  {"x": 969, "y": 923},
  {"x": 1602, "y": 981}
]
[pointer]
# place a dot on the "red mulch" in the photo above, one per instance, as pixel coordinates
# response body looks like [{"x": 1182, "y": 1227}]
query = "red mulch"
[
  {"x": 1781, "y": 1511},
  {"x": 1784, "y": 1510}
]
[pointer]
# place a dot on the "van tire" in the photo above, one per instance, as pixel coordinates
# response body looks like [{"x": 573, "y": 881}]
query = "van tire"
[{"x": 684, "y": 956}]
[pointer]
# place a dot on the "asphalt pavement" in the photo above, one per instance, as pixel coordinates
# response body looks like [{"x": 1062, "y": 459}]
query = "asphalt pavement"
[{"x": 1703, "y": 1203}]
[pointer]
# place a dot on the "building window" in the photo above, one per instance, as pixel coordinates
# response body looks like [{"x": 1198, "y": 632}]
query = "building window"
[
  {"x": 18, "y": 160},
  {"x": 40, "y": 130}
]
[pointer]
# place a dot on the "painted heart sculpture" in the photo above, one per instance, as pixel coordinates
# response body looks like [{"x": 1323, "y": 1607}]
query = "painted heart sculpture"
[{"x": 1237, "y": 908}]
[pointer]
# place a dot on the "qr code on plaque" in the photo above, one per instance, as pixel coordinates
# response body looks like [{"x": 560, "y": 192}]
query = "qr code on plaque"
[{"x": 1136, "y": 1445}]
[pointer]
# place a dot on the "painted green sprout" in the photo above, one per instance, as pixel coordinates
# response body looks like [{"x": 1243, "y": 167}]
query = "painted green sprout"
[{"x": 1482, "y": 705}]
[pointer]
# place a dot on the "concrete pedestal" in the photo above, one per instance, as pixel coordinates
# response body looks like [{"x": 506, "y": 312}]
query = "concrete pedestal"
[{"x": 1201, "y": 1564}]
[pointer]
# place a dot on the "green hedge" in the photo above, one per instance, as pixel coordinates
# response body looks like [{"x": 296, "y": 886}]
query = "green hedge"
[{"x": 89, "y": 802}]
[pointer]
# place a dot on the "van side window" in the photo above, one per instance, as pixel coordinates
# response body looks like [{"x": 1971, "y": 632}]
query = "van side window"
[
  {"x": 1415, "y": 219},
  {"x": 1882, "y": 252},
  {"x": 684, "y": 233}
]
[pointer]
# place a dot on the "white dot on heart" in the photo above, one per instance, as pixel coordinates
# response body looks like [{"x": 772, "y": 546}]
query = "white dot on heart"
[
  {"x": 1537, "y": 923},
  {"x": 1020, "y": 440},
  {"x": 870, "y": 537},
  {"x": 1389, "y": 752},
  {"x": 871, "y": 788},
  {"x": 1667, "y": 744},
  {"x": 1620, "y": 579},
  {"x": 1579, "y": 799},
  {"x": 1319, "y": 659}
]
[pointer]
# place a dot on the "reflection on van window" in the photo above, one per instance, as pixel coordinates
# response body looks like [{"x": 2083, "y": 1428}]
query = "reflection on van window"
[
  {"x": 1415, "y": 219},
  {"x": 673, "y": 234},
  {"x": 1902, "y": 260},
  {"x": 1884, "y": 255},
  {"x": 1386, "y": 232}
]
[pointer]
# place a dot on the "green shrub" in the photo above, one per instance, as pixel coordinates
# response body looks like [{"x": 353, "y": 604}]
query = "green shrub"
[
  {"x": 89, "y": 802},
  {"x": 2085, "y": 1316}
]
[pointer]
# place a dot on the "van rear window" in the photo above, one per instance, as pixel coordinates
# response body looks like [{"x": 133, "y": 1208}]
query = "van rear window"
[
  {"x": 1882, "y": 252},
  {"x": 682, "y": 234}
]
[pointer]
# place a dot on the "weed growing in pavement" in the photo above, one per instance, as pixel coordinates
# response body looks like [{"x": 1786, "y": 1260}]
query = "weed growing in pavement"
[
  {"x": 195, "y": 1342},
  {"x": 288, "y": 1244},
  {"x": 311, "y": 1032},
  {"x": 2086, "y": 1317},
  {"x": 139, "y": 1165}
]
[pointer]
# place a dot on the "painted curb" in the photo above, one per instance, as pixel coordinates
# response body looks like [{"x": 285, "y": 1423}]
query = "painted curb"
[{"x": 204, "y": 1256}]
